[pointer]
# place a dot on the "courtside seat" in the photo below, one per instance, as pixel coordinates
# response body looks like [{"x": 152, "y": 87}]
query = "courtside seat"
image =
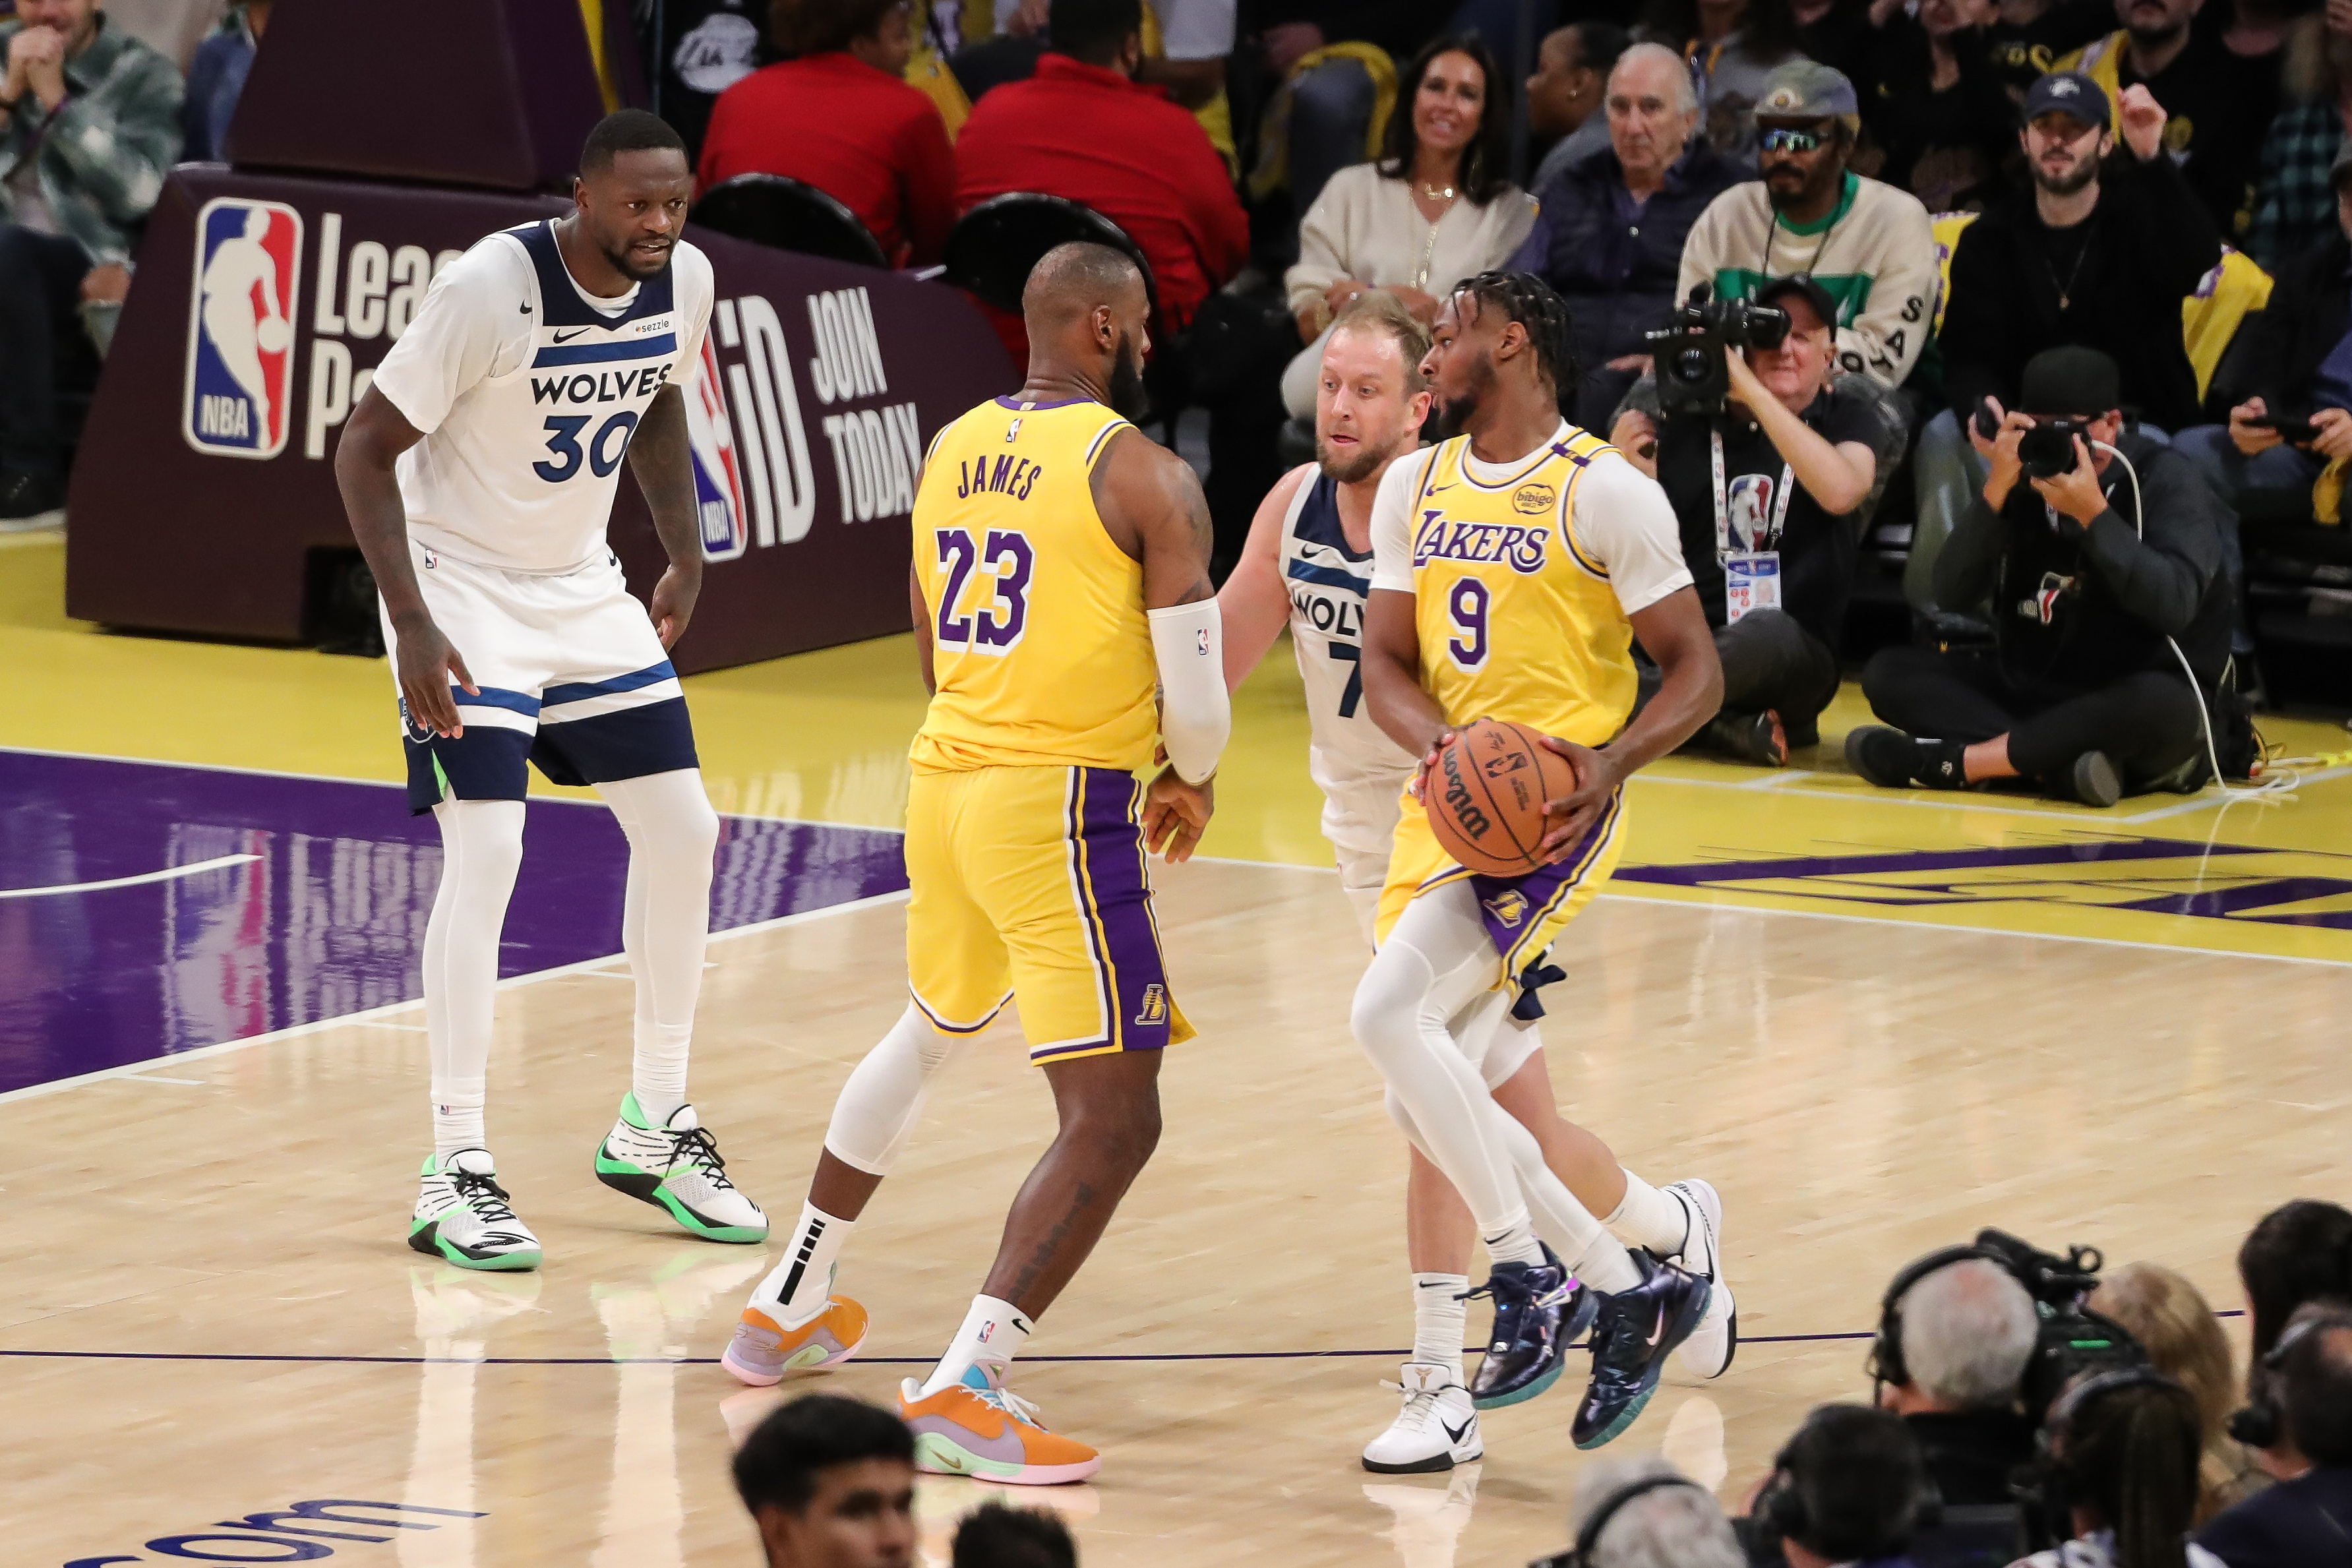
[
  {"x": 992, "y": 248},
  {"x": 789, "y": 215}
]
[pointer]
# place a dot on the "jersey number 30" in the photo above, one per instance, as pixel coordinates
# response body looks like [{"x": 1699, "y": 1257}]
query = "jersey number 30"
[
  {"x": 604, "y": 453},
  {"x": 995, "y": 625}
]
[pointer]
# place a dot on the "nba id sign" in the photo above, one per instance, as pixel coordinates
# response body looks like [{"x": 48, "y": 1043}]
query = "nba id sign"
[{"x": 238, "y": 399}]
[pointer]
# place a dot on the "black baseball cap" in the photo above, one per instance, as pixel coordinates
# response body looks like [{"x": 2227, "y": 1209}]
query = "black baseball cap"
[
  {"x": 2067, "y": 92},
  {"x": 1803, "y": 283},
  {"x": 2070, "y": 380}
]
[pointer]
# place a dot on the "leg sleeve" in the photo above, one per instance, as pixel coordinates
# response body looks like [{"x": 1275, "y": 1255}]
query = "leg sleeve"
[
  {"x": 884, "y": 1097},
  {"x": 1938, "y": 696},
  {"x": 481, "y": 849},
  {"x": 665, "y": 920}
]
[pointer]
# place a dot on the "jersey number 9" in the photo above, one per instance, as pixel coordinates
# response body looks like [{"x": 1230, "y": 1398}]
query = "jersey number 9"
[{"x": 1465, "y": 606}]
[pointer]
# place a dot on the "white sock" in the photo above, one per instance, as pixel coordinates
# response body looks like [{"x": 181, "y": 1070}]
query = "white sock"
[
  {"x": 1649, "y": 1218},
  {"x": 664, "y": 923},
  {"x": 992, "y": 1333},
  {"x": 1440, "y": 1318},
  {"x": 1515, "y": 1242},
  {"x": 481, "y": 849},
  {"x": 798, "y": 1288}
]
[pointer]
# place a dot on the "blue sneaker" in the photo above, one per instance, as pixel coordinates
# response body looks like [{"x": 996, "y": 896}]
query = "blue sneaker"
[
  {"x": 1540, "y": 1308},
  {"x": 1635, "y": 1332}
]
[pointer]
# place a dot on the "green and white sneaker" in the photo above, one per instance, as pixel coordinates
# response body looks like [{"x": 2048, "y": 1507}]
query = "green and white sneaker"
[
  {"x": 678, "y": 1167},
  {"x": 462, "y": 1215}
]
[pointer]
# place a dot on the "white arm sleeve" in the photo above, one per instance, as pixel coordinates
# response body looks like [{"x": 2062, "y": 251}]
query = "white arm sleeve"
[
  {"x": 1195, "y": 714},
  {"x": 1625, "y": 521}
]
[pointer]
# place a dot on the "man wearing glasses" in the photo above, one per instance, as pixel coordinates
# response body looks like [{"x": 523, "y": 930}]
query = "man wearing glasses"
[{"x": 1872, "y": 246}]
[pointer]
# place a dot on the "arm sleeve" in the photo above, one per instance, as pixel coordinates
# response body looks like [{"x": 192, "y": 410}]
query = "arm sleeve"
[
  {"x": 1196, "y": 716},
  {"x": 1967, "y": 565},
  {"x": 1392, "y": 521},
  {"x": 1886, "y": 339},
  {"x": 1625, "y": 521},
  {"x": 456, "y": 336},
  {"x": 2161, "y": 578}
]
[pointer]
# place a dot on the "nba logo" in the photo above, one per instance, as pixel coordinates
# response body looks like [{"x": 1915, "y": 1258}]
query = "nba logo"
[
  {"x": 718, "y": 475},
  {"x": 1751, "y": 504},
  {"x": 239, "y": 399}
]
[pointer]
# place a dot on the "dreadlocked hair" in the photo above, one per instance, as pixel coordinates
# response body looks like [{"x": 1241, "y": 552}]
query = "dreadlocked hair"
[{"x": 1527, "y": 299}]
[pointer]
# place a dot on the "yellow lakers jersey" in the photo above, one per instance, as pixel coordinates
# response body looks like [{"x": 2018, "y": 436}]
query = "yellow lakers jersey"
[
  {"x": 1515, "y": 621},
  {"x": 1039, "y": 648}
]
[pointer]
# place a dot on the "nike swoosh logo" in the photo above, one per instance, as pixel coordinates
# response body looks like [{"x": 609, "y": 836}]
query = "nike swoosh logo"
[
  {"x": 526, "y": 307},
  {"x": 582, "y": 332},
  {"x": 1453, "y": 1433},
  {"x": 1657, "y": 1333}
]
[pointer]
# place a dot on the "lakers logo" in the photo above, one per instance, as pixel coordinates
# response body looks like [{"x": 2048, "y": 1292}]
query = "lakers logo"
[
  {"x": 1509, "y": 906},
  {"x": 1155, "y": 1005}
]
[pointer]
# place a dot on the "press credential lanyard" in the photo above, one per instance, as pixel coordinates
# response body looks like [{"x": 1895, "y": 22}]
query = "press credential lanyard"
[{"x": 1723, "y": 541}]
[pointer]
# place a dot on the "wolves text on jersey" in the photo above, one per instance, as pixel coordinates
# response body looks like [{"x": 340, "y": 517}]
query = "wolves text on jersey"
[
  {"x": 1520, "y": 548},
  {"x": 604, "y": 386},
  {"x": 1342, "y": 619}
]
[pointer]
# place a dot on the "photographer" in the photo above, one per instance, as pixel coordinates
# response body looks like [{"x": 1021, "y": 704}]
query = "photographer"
[
  {"x": 2298, "y": 1254},
  {"x": 1763, "y": 486},
  {"x": 1961, "y": 1336},
  {"x": 2305, "y": 1523},
  {"x": 2119, "y": 1480},
  {"x": 1847, "y": 1489},
  {"x": 1644, "y": 1513},
  {"x": 2094, "y": 577}
]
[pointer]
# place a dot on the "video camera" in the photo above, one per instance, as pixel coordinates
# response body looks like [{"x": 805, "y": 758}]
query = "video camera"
[
  {"x": 1689, "y": 350},
  {"x": 2071, "y": 1340}
]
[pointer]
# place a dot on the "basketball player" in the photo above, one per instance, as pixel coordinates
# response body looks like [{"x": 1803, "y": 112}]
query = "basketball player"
[
  {"x": 1060, "y": 570},
  {"x": 1308, "y": 560},
  {"x": 478, "y": 471},
  {"x": 1513, "y": 565}
]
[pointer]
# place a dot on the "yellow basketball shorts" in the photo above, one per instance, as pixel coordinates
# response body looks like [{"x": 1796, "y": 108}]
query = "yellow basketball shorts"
[
  {"x": 1523, "y": 915},
  {"x": 1028, "y": 884}
]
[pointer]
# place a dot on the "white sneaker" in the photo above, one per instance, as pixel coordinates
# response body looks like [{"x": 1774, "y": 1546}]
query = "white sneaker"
[
  {"x": 1712, "y": 1345},
  {"x": 676, "y": 1167},
  {"x": 1436, "y": 1429},
  {"x": 462, "y": 1215}
]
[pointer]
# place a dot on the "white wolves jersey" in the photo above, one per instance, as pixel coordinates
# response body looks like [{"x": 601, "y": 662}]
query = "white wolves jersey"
[
  {"x": 1329, "y": 585},
  {"x": 528, "y": 389}
]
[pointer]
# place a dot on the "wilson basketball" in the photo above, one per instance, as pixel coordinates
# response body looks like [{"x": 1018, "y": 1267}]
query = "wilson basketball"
[{"x": 1485, "y": 797}]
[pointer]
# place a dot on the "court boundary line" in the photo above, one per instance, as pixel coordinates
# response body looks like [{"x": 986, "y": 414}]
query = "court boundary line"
[{"x": 372, "y": 1015}]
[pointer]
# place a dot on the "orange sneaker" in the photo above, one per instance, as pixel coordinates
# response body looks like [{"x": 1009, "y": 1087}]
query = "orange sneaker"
[
  {"x": 763, "y": 1351},
  {"x": 991, "y": 1433}
]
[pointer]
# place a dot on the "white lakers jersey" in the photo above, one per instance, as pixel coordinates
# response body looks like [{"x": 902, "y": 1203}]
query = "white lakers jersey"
[
  {"x": 1329, "y": 585},
  {"x": 528, "y": 390}
]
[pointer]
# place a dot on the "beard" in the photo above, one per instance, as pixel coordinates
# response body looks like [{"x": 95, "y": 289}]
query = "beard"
[
  {"x": 1782, "y": 198},
  {"x": 1126, "y": 389},
  {"x": 2067, "y": 184},
  {"x": 626, "y": 263},
  {"x": 1455, "y": 413},
  {"x": 1348, "y": 470}
]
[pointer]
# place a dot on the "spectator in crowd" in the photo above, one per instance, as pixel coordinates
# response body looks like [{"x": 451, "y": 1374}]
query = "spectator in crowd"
[
  {"x": 994, "y": 1535},
  {"x": 2294, "y": 198},
  {"x": 1847, "y": 1489},
  {"x": 1870, "y": 245},
  {"x": 2121, "y": 1474},
  {"x": 89, "y": 123},
  {"x": 2299, "y": 1253},
  {"x": 1437, "y": 206},
  {"x": 1082, "y": 128},
  {"x": 2093, "y": 576},
  {"x": 2028, "y": 36},
  {"x": 837, "y": 113},
  {"x": 1732, "y": 46},
  {"x": 2176, "y": 1327},
  {"x": 1964, "y": 1333},
  {"x": 1763, "y": 494},
  {"x": 2299, "y": 359},
  {"x": 2305, "y": 1522},
  {"x": 1609, "y": 228},
  {"x": 216, "y": 79},
  {"x": 1937, "y": 108},
  {"x": 1840, "y": 34},
  {"x": 1644, "y": 1513},
  {"x": 830, "y": 1482},
  {"x": 1195, "y": 38},
  {"x": 2220, "y": 103},
  {"x": 1565, "y": 95},
  {"x": 1328, "y": 61}
]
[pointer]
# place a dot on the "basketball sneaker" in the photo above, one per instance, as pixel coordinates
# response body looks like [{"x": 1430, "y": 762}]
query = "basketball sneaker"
[
  {"x": 765, "y": 1350},
  {"x": 462, "y": 1215},
  {"x": 676, "y": 1167},
  {"x": 1540, "y": 1308},
  {"x": 1712, "y": 1345},
  {"x": 978, "y": 1428},
  {"x": 1436, "y": 1429},
  {"x": 1636, "y": 1328}
]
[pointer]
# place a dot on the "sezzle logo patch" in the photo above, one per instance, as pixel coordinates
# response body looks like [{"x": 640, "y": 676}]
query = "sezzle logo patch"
[{"x": 239, "y": 398}]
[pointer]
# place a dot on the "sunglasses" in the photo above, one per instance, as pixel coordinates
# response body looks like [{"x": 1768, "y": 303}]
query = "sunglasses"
[{"x": 1780, "y": 139}]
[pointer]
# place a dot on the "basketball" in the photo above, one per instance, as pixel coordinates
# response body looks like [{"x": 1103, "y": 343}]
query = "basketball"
[
  {"x": 273, "y": 335},
  {"x": 1487, "y": 796}
]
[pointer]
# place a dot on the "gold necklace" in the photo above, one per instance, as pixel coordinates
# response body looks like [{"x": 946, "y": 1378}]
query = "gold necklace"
[{"x": 1437, "y": 195}]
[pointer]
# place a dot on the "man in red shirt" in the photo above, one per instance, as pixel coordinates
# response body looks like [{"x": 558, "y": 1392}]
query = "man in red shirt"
[
  {"x": 840, "y": 116},
  {"x": 1083, "y": 128}
]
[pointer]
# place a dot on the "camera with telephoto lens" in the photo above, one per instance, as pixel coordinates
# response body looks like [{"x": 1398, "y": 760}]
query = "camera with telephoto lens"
[
  {"x": 2070, "y": 1340},
  {"x": 1689, "y": 350}
]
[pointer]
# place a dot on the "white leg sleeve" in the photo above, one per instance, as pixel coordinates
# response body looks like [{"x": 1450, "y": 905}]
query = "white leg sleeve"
[
  {"x": 666, "y": 923},
  {"x": 884, "y": 1097},
  {"x": 481, "y": 849}
]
